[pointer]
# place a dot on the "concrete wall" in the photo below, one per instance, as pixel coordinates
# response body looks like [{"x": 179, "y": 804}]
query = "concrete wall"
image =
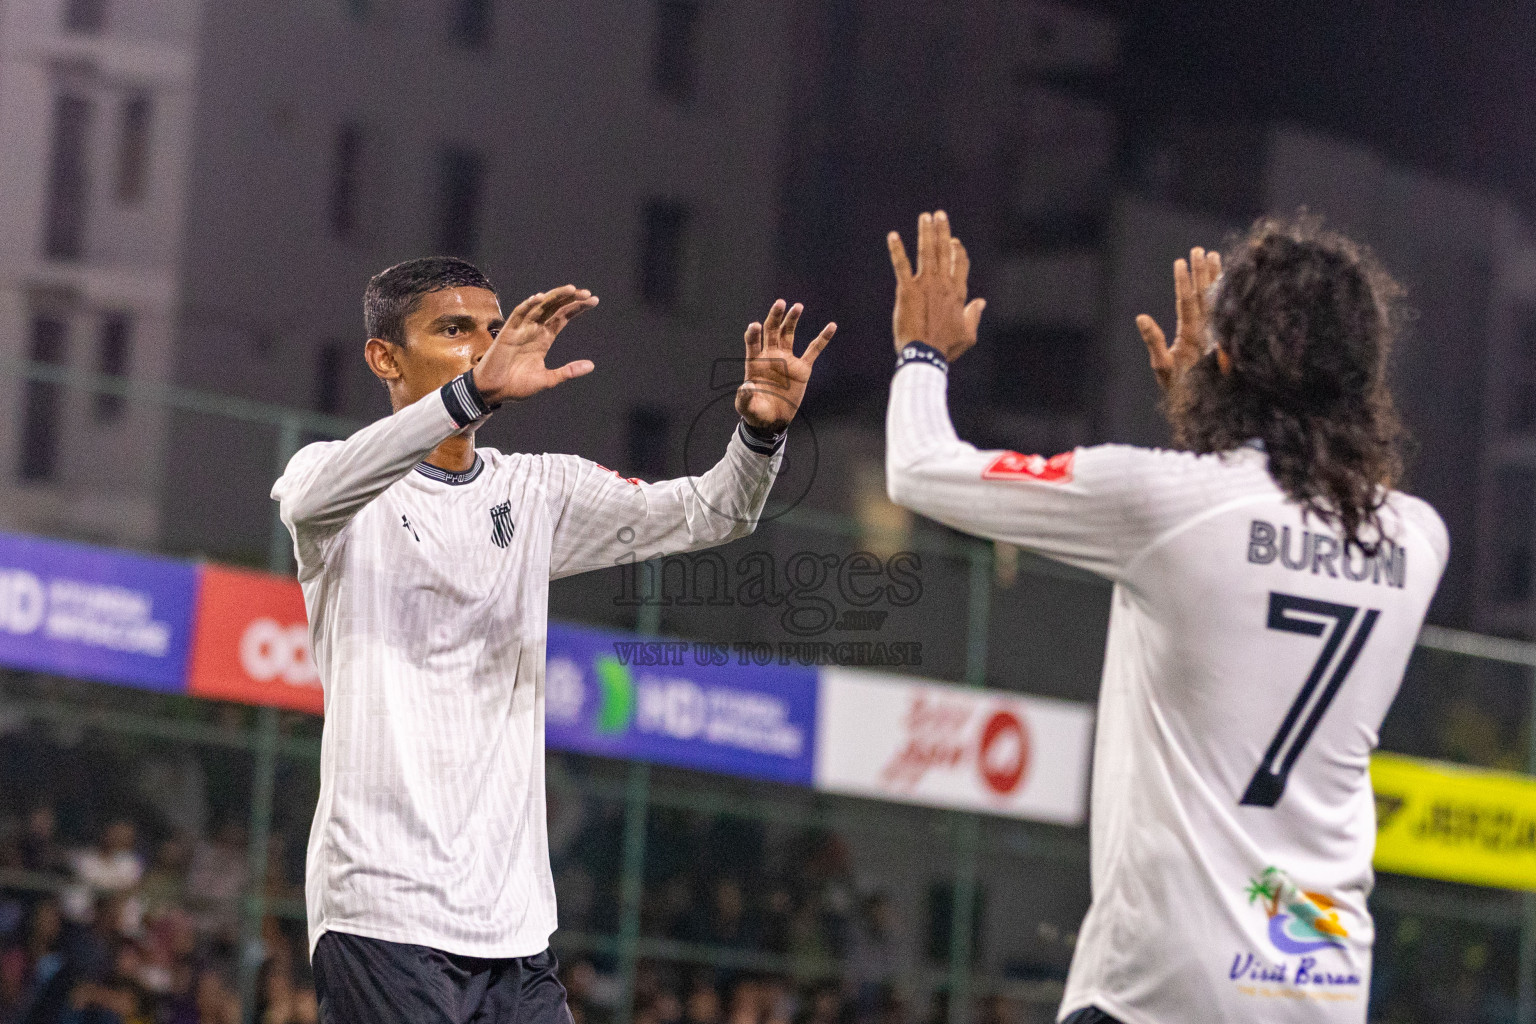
[
  {"x": 576, "y": 141},
  {"x": 107, "y": 483}
]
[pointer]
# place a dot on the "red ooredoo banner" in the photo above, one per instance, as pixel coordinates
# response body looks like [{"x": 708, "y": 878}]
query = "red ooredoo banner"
[{"x": 250, "y": 642}]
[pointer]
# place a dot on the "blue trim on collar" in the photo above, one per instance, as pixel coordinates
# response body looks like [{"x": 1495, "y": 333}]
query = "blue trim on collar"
[{"x": 447, "y": 476}]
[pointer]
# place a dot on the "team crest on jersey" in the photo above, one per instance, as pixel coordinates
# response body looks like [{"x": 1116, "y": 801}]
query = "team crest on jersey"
[
  {"x": 501, "y": 524},
  {"x": 1015, "y": 466},
  {"x": 1299, "y": 922}
]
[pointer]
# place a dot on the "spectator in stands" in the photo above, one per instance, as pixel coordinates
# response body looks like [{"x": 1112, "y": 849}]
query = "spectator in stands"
[
  {"x": 728, "y": 924},
  {"x": 214, "y": 1001},
  {"x": 703, "y": 1003},
  {"x": 116, "y": 998},
  {"x": 164, "y": 884},
  {"x": 216, "y": 881},
  {"x": 872, "y": 950},
  {"x": 112, "y": 865},
  {"x": 110, "y": 869},
  {"x": 825, "y": 1006},
  {"x": 35, "y": 973},
  {"x": 38, "y": 847}
]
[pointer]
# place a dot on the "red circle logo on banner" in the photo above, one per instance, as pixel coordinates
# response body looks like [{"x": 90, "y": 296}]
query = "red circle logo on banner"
[{"x": 1003, "y": 757}]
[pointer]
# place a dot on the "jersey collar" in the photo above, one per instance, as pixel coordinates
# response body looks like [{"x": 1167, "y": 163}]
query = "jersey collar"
[{"x": 448, "y": 476}]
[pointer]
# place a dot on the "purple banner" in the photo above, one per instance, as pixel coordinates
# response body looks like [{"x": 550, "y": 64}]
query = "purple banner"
[
  {"x": 95, "y": 613},
  {"x": 710, "y": 707}
]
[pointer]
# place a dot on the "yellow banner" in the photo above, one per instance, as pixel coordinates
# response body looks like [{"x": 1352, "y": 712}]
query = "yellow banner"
[{"x": 1439, "y": 820}]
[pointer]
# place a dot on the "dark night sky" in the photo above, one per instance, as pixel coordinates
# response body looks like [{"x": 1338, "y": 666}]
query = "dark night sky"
[{"x": 1441, "y": 84}]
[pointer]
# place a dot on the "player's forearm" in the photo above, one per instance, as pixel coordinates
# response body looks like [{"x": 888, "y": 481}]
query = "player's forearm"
[
  {"x": 733, "y": 492},
  {"x": 613, "y": 521},
  {"x": 348, "y": 475},
  {"x": 920, "y": 439},
  {"x": 723, "y": 503}
]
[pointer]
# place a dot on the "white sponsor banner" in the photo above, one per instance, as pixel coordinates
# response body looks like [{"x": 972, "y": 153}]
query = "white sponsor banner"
[{"x": 898, "y": 738}]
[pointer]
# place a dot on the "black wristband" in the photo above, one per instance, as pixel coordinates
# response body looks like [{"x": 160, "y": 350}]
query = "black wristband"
[
  {"x": 763, "y": 442},
  {"x": 464, "y": 401},
  {"x": 918, "y": 352}
]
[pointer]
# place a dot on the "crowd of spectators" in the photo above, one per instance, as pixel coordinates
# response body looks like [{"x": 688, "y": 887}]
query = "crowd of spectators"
[
  {"x": 100, "y": 934},
  {"x": 131, "y": 921}
]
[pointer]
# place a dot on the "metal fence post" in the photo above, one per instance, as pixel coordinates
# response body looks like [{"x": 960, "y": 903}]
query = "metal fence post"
[
  {"x": 967, "y": 827},
  {"x": 636, "y": 802},
  {"x": 251, "y": 950},
  {"x": 1525, "y": 1005}
]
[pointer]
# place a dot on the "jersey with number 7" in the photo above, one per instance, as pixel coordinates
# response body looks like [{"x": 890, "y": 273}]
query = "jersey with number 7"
[{"x": 1250, "y": 662}]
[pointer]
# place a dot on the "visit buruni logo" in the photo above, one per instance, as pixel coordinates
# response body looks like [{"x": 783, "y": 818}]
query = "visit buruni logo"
[
  {"x": 1299, "y": 922},
  {"x": 1302, "y": 925}
]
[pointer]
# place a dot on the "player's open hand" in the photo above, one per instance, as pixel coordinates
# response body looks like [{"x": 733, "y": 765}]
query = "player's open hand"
[
  {"x": 513, "y": 367},
  {"x": 931, "y": 304},
  {"x": 775, "y": 377},
  {"x": 1192, "y": 283}
]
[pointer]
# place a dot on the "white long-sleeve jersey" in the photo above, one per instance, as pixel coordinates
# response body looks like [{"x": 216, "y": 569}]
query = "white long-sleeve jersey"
[
  {"x": 1250, "y": 662},
  {"x": 427, "y": 595}
]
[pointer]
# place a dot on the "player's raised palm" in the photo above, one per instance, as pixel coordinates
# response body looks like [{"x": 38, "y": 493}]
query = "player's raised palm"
[
  {"x": 775, "y": 377},
  {"x": 1192, "y": 283},
  {"x": 931, "y": 303},
  {"x": 513, "y": 367}
]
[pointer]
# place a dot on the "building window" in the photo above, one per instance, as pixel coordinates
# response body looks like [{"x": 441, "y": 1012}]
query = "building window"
[
  {"x": 647, "y": 441},
  {"x": 675, "y": 69},
  {"x": 461, "y": 173},
  {"x": 116, "y": 342},
  {"x": 1520, "y": 406},
  {"x": 472, "y": 22},
  {"x": 1514, "y": 528},
  {"x": 41, "y": 402},
  {"x": 133, "y": 149},
  {"x": 663, "y": 253},
  {"x": 346, "y": 175},
  {"x": 85, "y": 15},
  {"x": 330, "y": 378},
  {"x": 1040, "y": 369},
  {"x": 68, "y": 180}
]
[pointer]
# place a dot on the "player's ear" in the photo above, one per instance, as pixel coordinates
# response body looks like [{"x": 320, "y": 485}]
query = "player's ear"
[{"x": 382, "y": 357}]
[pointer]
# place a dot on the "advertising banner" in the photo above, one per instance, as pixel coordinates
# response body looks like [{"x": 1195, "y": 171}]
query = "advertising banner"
[
  {"x": 902, "y": 739},
  {"x": 1446, "y": 821},
  {"x": 94, "y": 613},
  {"x": 251, "y": 642},
  {"x": 678, "y": 703}
]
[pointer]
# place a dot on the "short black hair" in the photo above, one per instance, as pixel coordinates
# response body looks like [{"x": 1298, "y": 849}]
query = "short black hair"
[{"x": 393, "y": 294}]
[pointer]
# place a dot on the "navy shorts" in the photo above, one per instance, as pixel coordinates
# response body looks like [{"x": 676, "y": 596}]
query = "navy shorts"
[
  {"x": 1090, "y": 1015},
  {"x": 371, "y": 981}
]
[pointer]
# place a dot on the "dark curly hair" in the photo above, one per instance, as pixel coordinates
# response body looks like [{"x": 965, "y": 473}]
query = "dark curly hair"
[{"x": 1307, "y": 318}]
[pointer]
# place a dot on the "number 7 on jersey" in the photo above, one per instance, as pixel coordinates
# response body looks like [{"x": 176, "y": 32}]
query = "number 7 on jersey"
[{"x": 1292, "y": 614}]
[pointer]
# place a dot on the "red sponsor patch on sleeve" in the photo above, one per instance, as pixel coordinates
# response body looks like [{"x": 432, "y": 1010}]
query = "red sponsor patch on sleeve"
[
  {"x": 1014, "y": 466},
  {"x": 629, "y": 479}
]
